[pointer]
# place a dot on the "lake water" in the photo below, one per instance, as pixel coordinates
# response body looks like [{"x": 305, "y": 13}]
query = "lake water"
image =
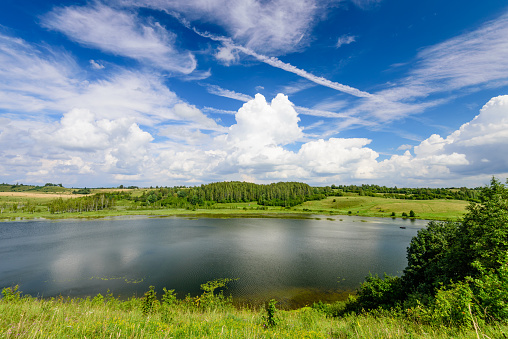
[{"x": 296, "y": 260}]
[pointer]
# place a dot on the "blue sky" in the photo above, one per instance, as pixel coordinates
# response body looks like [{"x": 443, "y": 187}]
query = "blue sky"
[{"x": 169, "y": 92}]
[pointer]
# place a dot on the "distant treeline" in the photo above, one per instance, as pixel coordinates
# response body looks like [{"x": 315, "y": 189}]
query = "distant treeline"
[
  {"x": 286, "y": 194},
  {"x": 89, "y": 203},
  {"x": 462, "y": 193},
  {"x": 49, "y": 187}
]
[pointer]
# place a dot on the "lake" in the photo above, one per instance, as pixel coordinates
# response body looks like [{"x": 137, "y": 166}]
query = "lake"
[{"x": 296, "y": 261}]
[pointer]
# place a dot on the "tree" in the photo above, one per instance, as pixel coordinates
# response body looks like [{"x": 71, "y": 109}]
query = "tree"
[
  {"x": 447, "y": 258},
  {"x": 484, "y": 230}
]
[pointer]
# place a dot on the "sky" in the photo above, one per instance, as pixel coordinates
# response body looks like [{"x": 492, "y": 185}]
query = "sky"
[{"x": 170, "y": 92}]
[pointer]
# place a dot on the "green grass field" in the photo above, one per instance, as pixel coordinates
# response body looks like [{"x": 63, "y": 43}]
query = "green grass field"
[{"x": 383, "y": 207}]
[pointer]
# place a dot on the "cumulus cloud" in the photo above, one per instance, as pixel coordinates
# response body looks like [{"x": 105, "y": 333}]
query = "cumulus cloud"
[
  {"x": 129, "y": 125},
  {"x": 259, "y": 123},
  {"x": 121, "y": 33},
  {"x": 338, "y": 156},
  {"x": 471, "y": 151},
  {"x": 87, "y": 127}
]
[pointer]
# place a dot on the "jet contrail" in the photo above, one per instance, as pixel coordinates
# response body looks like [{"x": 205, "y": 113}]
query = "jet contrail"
[{"x": 274, "y": 62}]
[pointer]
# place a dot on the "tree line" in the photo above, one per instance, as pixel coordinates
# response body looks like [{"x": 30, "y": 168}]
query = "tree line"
[
  {"x": 96, "y": 202},
  {"x": 286, "y": 194},
  {"x": 462, "y": 193}
]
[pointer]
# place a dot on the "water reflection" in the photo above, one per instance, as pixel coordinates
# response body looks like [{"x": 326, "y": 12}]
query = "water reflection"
[{"x": 281, "y": 258}]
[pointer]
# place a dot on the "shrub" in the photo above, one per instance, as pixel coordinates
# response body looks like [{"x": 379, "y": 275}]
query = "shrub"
[
  {"x": 169, "y": 297},
  {"x": 271, "y": 319},
  {"x": 149, "y": 301},
  {"x": 11, "y": 294},
  {"x": 491, "y": 290},
  {"x": 451, "y": 306},
  {"x": 375, "y": 292},
  {"x": 211, "y": 300}
]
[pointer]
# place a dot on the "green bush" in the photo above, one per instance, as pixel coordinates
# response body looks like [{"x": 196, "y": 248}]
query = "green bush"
[
  {"x": 491, "y": 290},
  {"x": 271, "y": 320},
  {"x": 210, "y": 299},
  {"x": 149, "y": 302},
  {"x": 453, "y": 305},
  {"x": 11, "y": 294},
  {"x": 376, "y": 292}
]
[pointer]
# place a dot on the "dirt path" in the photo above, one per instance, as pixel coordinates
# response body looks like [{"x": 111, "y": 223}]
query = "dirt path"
[{"x": 37, "y": 195}]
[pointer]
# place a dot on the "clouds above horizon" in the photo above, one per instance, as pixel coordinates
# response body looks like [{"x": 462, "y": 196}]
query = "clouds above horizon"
[
  {"x": 163, "y": 92},
  {"x": 255, "y": 148}
]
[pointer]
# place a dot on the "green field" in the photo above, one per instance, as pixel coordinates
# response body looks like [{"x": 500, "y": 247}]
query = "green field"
[{"x": 439, "y": 209}]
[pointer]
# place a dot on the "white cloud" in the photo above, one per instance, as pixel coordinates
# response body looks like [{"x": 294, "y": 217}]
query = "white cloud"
[
  {"x": 471, "y": 61},
  {"x": 105, "y": 128},
  {"x": 227, "y": 55},
  {"x": 121, "y": 33},
  {"x": 31, "y": 78},
  {"x": 474, "y": 150},
  {"x": 404, "y": 147},
  {"x": 345, "y": 40},
  {"x": 217, "y": 90},
  {"x": 274, "y": 62},
  {"x": 273, "y": 27},
  {"x": 336, "y": 156},
  {"x": 261, "y": 124},
  {"x": 297, "y": 87},
  {"x": 96, "y": 65}
]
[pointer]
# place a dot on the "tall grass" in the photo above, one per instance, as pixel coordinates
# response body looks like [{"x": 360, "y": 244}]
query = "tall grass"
[{"x": 108, "y": 317}]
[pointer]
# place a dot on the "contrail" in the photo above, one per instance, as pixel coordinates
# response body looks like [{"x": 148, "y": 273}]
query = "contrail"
[{"x": 274, "y": 62}]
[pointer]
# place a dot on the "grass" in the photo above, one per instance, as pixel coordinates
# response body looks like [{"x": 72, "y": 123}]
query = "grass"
[
  {"x": 438, "y": 209},
  {"x": 352, "y": 204},
  {"x": 111, "y": 318}
]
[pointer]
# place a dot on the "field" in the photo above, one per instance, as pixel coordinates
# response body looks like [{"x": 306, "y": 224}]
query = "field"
[
  {"x": 351, "y": 204},
  {"x": 439, "y": 209}
]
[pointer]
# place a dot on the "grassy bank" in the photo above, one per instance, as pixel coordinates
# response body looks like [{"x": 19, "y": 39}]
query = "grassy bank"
[
  {"x": 346, "y": 205},
  {"x": 438, "y": 209},
  {"x": 206, "y": 316}
]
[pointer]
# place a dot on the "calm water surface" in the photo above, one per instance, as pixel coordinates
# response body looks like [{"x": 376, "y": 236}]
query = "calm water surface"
[{"x": 280, "y": 258}]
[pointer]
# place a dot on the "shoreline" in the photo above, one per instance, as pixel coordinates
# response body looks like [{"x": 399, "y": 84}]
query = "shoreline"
[
  {"x": 148, "y": 214},
  {"x": 315, "y": 215}
]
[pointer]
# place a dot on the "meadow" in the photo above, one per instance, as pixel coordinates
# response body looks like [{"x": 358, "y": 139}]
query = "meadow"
[{"x": 207, "y": 316}]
